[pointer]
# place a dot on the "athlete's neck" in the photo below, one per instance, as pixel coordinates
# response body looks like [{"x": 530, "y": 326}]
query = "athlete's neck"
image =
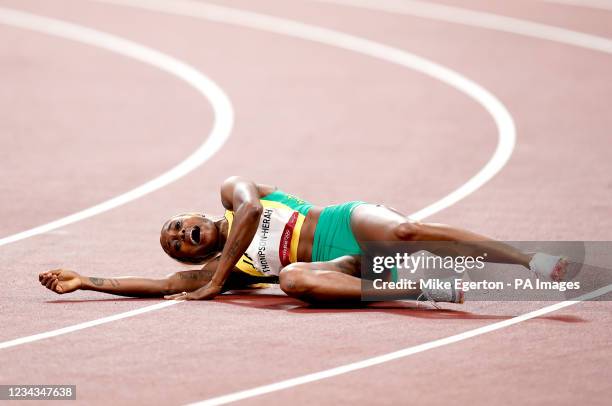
[{"x": 222, "y": 230}]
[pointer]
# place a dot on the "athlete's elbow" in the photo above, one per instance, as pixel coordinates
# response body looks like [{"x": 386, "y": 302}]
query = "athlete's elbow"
[{"x": 252, "y": 210}]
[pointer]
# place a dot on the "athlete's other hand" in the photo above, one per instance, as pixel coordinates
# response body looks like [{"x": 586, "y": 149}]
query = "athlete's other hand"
[
  {"x": 60, "y": 280},
  {"x": 206, "y": 292}
]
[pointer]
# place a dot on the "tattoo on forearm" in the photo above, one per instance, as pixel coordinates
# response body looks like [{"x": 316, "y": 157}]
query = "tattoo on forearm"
[
  {"x": 100, "y": 282},
  {"x": 196, "y": 275},
  {"x": 97, "y": 281}
]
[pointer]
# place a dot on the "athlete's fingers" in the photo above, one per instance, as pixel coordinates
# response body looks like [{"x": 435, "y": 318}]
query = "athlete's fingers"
[
  {"x": 54, "y": 285},
  {"x": 49, "y": 282},
  {"x": 177, "y": 296},
  {"x": 56, "y": 272},
  {"x": 45, "y": 279}
]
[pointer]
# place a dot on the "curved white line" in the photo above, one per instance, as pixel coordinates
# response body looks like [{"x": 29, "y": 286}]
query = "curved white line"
[
  {"x": 501, "y": 116},
  {"x": 221, "y": 105},
  {"x": 598, "y": 4},
  {"x": 221, "y": 129},
  {"x": 484, "y": 20},
  {"x": 328, "y": 373},
  {"x": 481, "y": 19},
  {"x": 503, "y": 120}
]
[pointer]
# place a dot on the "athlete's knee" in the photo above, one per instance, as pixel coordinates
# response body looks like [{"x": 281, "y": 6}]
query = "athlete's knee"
[
  {"x": 295, "y": 279},
  {"x": 409, "y": 231}
]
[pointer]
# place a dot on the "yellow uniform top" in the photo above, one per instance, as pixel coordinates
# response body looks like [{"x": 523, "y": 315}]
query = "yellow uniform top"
[{"x": 276, "y": 240}]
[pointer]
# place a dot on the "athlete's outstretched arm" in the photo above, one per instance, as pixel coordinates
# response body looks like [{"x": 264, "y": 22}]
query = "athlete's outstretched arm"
[
  {"x": 242, "y": 196},
  {"x": 64, "y": 281}
]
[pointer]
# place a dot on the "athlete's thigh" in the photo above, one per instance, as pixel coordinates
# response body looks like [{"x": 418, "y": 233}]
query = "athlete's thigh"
[
  {"x": 348, "y": 264},
  {"x": 375, "y": 222}
]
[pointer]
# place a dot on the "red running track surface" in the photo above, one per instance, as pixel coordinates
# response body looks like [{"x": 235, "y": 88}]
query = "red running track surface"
[{"x": 80, "y": 125}]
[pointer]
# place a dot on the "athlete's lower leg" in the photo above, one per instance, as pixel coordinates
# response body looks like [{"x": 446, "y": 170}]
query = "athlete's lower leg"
[
  {"x": 312, "y": 285},
  {"x": 466, "y": 243},
  {"x": 382, "y": 224}
]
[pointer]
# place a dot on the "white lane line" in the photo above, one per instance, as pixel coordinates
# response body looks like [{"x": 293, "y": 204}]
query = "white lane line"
[
  {"x": 317, "y": 376},
  {"x": 470, "y": 18},
  {"x": 599, "y": 4},
  {"x": 481, "y": 19},
  {"x": 501, "y": 116},
  {"x": 503, "y": 120},
  {"x": 221, "y": 105},
  {"x": 87, "y": 324},
  {"x": 393, "y": 55},
  {"x": 220, "y": 132}
]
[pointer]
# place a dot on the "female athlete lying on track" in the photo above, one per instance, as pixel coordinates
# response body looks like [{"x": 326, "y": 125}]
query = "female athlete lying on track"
[{"x": 314, "y": 253}]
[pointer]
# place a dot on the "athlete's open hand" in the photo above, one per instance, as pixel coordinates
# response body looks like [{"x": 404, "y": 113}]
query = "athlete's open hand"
[
  {"x": 60, "y": 280},
  {"x": 206, "y": 292}
]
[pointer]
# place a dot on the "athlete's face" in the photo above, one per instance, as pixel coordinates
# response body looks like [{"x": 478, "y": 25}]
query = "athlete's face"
[{"x": 189, "y": 236}]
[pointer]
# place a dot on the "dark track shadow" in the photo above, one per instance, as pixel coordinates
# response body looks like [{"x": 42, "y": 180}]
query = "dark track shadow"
[{"x": 408, "y": 309}]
